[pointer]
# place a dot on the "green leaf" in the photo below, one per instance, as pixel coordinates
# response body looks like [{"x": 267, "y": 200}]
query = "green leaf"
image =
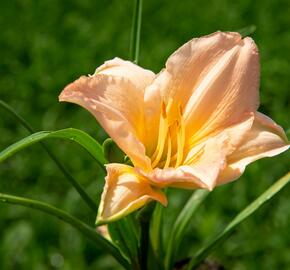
[
  {"x": 180, "y": 225},
  {"x": 66, "y": 217},
  {"x": 112, "y": 152},
  {"x": 117, "y": 238},
  {"x": 124, "y": 234},
  {"x": 156, "y": 233},
  {"x": 8, "y": 108},
  {"x": 82, "y": 138},
  {"x": 249, "y": 210},
  {"x": 61, "y": 167}
]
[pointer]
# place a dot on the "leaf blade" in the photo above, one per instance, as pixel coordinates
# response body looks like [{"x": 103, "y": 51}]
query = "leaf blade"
[
  {"x": 82, "y": 138},
  {"x": 57, "y": 162},
  {"x": 250, "y": 209},
  {"x": 156, "y": 234},
  {"x": 180, "y": 224},
  {"x": 66, "y": 217}
]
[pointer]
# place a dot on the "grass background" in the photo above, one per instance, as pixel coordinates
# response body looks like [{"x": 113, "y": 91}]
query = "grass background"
[{"x": 46, "y": 44}]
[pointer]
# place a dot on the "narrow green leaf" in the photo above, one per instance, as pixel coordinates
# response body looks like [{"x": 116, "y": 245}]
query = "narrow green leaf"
[
  {"x": 247, "y": 31},
  {"x": 136, "y": 32},
  {"x": 82, "y": 138},
  {"x": 8, "y": 108},
  {"x": 112, "y": 152},
  {"x": 156, "y": 234},
  {"x": 124, "y": 235},
  {"x": 249, "y": 210},
  {"x": 117, "y": 238},
  {"x": 66, "y": 217},
  {"x": 180, "y": 225},
  {"x": 61, "y": 167}
]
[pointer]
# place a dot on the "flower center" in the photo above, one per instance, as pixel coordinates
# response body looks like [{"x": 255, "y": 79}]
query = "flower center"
[{"x": 169, "y": 150}]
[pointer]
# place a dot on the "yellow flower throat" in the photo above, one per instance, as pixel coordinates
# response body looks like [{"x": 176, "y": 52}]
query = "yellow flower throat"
[{"x": 169, "y": 150}]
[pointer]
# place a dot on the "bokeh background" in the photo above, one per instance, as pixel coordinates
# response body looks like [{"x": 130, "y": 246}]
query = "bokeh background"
[{"x": 46, "y": 44}]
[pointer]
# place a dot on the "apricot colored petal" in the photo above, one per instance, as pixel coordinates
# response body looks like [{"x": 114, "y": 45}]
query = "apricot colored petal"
[
  {"x": 114, "y": 95},
  {"x": 215, "y": 80},
  {"x": 201, "y": 172},
  {"x": 226, "y": 92},
  {"x": 264, "y": 139},
  {"x": 138, "y": 76},
  {"x": 125, "y": 191}
]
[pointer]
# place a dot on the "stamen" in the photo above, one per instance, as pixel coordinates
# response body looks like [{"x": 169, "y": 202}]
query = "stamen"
[
  {"x": 163, "y": 128},
  {"x": 169, "y": 105},
  {"x": 180, "y": 139},
  {"x": 171, "y": 126},
  {"x": 168, "y": 156}
]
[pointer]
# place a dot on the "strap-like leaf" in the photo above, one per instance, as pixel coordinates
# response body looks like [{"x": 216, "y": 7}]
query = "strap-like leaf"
[
  {"x": 156, "y": 234},
  {"x": 124, "y": 234},
  {"x": 61, "y": 167},
  {"x": 180, "y": 225},
  {"x": 82, "y": 138},
  {"x": 250, "y": 209},
  {"x": 66, "y": 217},
  {"x": 112, "y": 152}
]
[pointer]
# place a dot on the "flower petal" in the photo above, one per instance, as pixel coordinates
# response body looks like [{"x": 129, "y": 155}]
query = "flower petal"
[
  {"x": 264, "y": 139},
  {"x": 201, "y": 172},
  {"x": 114, "y": 95},
  {"x": 125, "y": 191},
  {"x": 138, "y": 76},
  {"x": 227, "y": 90},
  {"x": 215, "y": 80},
  {"x": 203, "y": 163}
]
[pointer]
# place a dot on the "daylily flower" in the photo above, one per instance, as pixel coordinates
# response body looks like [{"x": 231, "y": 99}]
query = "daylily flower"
[{"x": 193, "y": 125}]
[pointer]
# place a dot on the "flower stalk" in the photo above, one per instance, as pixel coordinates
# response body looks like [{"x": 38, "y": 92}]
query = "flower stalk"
[
  {"x": 144, "y": 217},
  {"x": 136, "y": 32}
]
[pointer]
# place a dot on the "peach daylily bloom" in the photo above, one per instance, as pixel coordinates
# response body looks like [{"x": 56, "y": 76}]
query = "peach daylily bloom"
[{"x": 193, "y": 125}]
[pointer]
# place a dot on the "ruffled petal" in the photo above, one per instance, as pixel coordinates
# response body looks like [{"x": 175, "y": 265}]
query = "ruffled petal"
[
  {"x": 214, "y": 79},
  {"x": 264, "y": 139},
  {"x": 138, "y": 76},
  {"x": 201, "y": 171},
  {"x": 114, "y": 95},
  {"x": 204, "y": 161},
  {"x": 227, "y": 90},
  {"x": 125, "y": 191}
]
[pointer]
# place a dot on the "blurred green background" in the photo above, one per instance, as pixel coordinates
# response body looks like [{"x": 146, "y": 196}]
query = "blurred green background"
[{"x": 46, "y": 44}]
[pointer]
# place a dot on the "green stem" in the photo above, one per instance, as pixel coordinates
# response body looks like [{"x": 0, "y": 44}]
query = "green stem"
[
  {"x": 64, "y": 216},
  {"x": 136, "y": 31},
  {"x": 65, "y": 172},
  {"x": 134, "y": 55},
  {"x": 144, "y": 217},
  {"x": 144, "y": 244}
]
